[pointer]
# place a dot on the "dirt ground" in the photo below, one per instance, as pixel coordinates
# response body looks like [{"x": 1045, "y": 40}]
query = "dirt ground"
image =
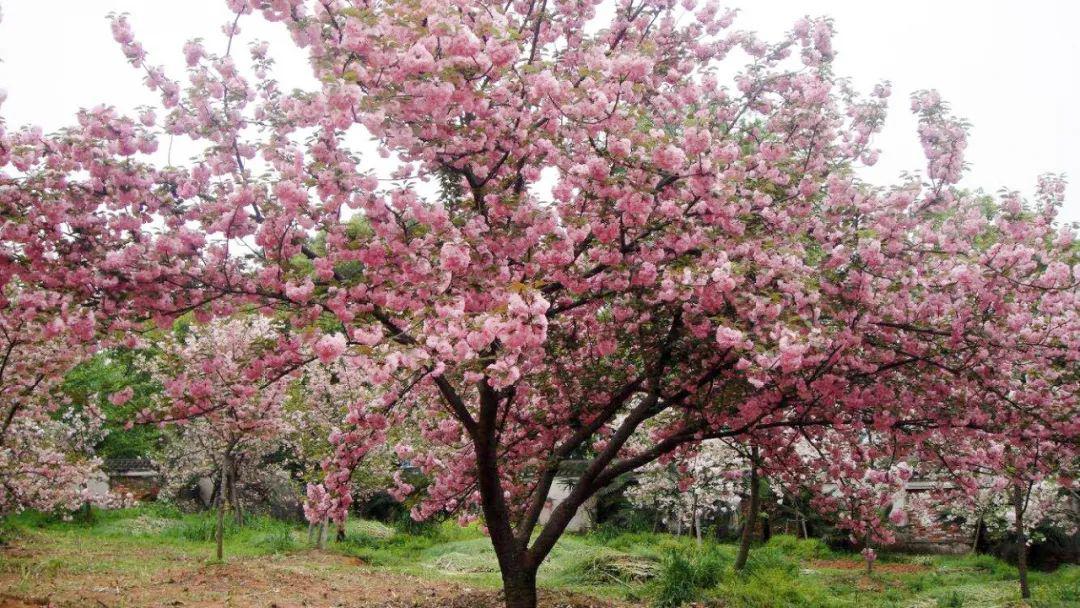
[
  {"x": 845, "y": 564},
  {"x": 306, "y": 579}
]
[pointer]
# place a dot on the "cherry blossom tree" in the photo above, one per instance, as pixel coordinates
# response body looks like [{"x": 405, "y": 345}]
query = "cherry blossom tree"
[
  {"x": 46, "y": 456},
  {"x": 64, "y": 201},
  {"x": 1020, "y": 432},
  {"x": 860, "y": 497},
  {"x": 47, "y": 464},
  {"x": 317, "y": 415},
  {"x": 1014, "y": 485},
  {"x": 587, "y": 228},
  {"x": 227, "y": 409}
]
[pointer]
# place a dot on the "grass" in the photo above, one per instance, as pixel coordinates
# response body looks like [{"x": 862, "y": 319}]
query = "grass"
[
  {"x": 647, "y": 569},
  {"x": 156, "y": 524}
]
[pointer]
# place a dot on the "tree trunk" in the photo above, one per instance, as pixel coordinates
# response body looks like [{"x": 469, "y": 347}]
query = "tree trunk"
[
  {"x": 751, "y": 515},
  {"x": 977, "y": 536},
  {"x": 697, "y": 522},
  {"x": 310, "y": 532},
  {"x": 1021, "y": 542},
  {"x": 519, "y": 587},
  {"x": 8, "y": 418},
  {"x": 86, "y": 512},
  {"x": 322, "y": 534},
  {"x": 234, "y": 496},
  {"x": 868, "y": 549},
  {"x": 1021, "y": 565},
  {"x": 222, "y": 499},
  {"x": 340, "y": 536}
]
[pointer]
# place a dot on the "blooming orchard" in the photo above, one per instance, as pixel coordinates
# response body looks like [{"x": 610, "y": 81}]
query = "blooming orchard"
[{"x": 706, "y": 255}]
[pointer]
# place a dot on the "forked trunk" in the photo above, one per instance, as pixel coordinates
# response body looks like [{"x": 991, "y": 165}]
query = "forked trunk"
[
  {"x": 751, "y": 515},
  {"x": 517, "y": 569}
]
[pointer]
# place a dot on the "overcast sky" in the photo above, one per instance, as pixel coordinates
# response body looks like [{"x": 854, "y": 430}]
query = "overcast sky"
[{"x": 1011, "y": 68}]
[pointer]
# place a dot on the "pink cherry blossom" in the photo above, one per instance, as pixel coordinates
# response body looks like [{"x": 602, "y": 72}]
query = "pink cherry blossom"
[{"x": 330, "y": 347}]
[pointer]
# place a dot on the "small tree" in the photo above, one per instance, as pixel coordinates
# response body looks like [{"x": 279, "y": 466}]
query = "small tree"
[
  {"x": 46, "y": 445},
  {"x": 217, "y": 393},
  {"x": 1015, "y": 488},
  {"x": 318, "y": 416}
]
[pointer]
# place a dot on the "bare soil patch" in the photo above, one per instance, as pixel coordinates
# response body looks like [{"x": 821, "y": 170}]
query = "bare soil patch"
[
  {"x": 32, "y": 575},
  {"x": 7, "y": 601},
  {"x": 847, "y": 564}
]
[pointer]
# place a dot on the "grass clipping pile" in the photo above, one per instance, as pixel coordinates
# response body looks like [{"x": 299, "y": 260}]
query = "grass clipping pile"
[
  {"x": 607, "y": 566},
  {"x": 578, "y": 565}
]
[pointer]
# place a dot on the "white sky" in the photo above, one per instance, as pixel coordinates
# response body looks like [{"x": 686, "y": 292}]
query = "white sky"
[{"x": 1011, "y": 68}]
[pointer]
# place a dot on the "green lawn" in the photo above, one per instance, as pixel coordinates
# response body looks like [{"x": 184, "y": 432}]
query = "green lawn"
[{"x": 635, "y": 568}]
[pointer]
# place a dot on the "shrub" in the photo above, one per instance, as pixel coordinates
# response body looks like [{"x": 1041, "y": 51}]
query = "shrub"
[
  {"x": 8, "y": 531},
  {"x": 1067, "y": 593},
  {"x": 644, "y": 542},
  {"x": 675, "y": 585},
  {"x": 607, "y": 531},
  {"x": 34, "y": 519},
  {"x": 161, "y": 508},
  {"x": 709, "y": 568},
  {"x": 1061, "y": 590},
  {"x": 362, "y": 540},
  {"x": 685, "y": 574},
  {"x": 987, "y": 564},
  {"x": 917, "y": 584},
  {"x": 368, "y": 528}
]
